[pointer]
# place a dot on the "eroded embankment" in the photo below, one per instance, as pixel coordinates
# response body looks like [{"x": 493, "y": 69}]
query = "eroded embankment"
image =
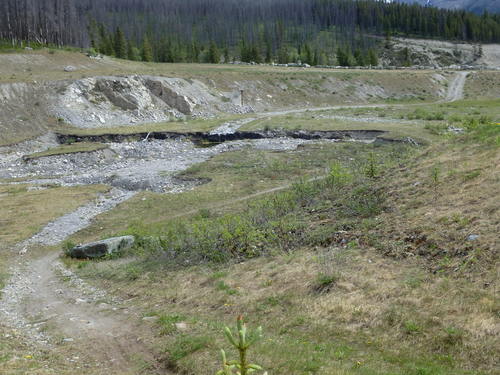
[{"x": 340, "y": 135}]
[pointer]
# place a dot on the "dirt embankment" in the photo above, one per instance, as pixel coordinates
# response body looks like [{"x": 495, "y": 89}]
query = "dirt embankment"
[
  {"x": 31, "y": 107},
  {"x": 439, "y": 54}
]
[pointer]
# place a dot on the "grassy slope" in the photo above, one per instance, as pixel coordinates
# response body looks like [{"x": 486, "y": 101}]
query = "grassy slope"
[
  {"x": 423, "y": 122},
  {"x": 429, "y": 308}
]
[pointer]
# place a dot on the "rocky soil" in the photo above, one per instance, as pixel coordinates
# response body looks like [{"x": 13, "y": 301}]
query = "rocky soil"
[
  {"x": 130, "y": 166},
  {"x": 107, "y": 101}
]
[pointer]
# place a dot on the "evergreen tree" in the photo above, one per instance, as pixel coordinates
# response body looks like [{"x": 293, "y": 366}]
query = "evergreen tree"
[
  {"x": 120, "y": 44},
  {"x": 316, "y": 57},
  {"x": 245, "y": 51},
  {"x": 254, "y": 54},
  {"x": 147, "y": 50},
  {"x": 283, "y": 55},
  {"x": 105, "y": 45},
  {"x": 341, "y": 57},
  {"x": 213, "y": 55},
  {"x": 193, "y": 51},
  {"x": 307, "y": 56},
  {"x": 359, "y": 58},
  {"x": 166, "y": 52},
  {"x": 132, "y": 51},
  {"x": 372, "y": 57},
  {"x": 269, "y": 51}
]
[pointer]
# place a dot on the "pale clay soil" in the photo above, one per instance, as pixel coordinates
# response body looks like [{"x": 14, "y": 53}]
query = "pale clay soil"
[{"x": 50, "y": 304}]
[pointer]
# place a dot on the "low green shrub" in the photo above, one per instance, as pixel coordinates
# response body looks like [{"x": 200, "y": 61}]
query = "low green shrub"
[{"x": 482, "y": 130}]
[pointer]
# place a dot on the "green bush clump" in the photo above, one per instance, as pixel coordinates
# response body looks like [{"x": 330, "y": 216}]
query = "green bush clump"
[
  {"x": 482, "y": 130},
  {"x": 421, "y": 114},
  {"x": 280, "y": 222}
]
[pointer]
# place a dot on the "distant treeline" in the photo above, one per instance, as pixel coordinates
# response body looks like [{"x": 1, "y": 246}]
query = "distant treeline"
[{"x": 249, "y": 30}]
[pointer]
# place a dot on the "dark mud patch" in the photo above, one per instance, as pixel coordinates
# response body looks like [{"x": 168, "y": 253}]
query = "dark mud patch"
[{"x": 203, "y": 139}]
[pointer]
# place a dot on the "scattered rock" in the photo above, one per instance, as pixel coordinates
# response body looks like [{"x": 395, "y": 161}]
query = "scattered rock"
[
  {"x": 150, "y": 319},
  {"x": 99, "y": 249},
  {"x": 472, "y": 237},
  {"x": 70, "y": 68},
  {"x": 181, "y": 326},
  {"x": 455, "y": 130}
]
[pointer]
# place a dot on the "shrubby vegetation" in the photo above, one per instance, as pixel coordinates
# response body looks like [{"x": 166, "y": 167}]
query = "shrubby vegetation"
[{"x": 278, "y": 223}]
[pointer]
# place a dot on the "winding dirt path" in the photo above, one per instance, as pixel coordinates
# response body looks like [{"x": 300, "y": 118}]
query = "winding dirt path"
[
  {"x": 456, "y": 87},
  {"x": 54, "y": 307},
  {"x": 455, "y": 92},
  {"x": 58, "y": 310}
]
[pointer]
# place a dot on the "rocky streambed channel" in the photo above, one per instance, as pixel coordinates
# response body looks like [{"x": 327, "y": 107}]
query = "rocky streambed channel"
[
  {"x": 136, "y": 162},
  {"x": 152, "y": 161}
]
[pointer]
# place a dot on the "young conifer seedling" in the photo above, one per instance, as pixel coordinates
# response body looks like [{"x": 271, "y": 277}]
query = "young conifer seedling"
[{"x": 242, "y": 341}]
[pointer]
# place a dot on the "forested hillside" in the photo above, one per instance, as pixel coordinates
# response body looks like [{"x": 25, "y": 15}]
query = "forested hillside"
[
  {"x": 477, "y": 6},
  {"x": 259, "y": 30}
]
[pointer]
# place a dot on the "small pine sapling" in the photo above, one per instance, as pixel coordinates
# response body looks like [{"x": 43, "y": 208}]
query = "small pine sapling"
[{"x": 243, "y": 341}]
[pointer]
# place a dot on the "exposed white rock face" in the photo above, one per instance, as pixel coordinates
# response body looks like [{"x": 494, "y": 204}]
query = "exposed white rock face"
[
  {"x": 109, "y": 101},
  {"x": 167, "y": 92}
]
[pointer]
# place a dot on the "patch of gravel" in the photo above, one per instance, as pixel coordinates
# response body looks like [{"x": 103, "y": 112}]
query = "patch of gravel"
[
  {"x": 130, "y": 166},
  {"x": 25, "y": 285},
  {"x": 13, "y": 295},
  {"x": 11, "y": 155},
  {"x": 231, "y": 126},
  {"x": 64, "y": 226}
]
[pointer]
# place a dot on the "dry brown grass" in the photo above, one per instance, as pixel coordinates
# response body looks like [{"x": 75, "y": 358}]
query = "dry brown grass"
[
  {"x": 377, "y": 310},
  {"x": 449, "y": 193},
  {"x": 24, "y": 213},
  {"x": 482, "y": 85}
]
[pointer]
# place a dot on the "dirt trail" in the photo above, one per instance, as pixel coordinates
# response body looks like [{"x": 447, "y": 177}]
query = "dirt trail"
[
  {"x": 455, "y": 92},
  {"x": 101, "y": 331},
  {"x": 456, "y": 87},
  {"x": 56, "y": 309},
  {"x": 244, "y": 198}
]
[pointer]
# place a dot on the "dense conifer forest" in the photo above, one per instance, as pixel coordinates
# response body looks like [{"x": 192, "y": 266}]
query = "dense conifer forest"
[{"x": 221, "y": 30}]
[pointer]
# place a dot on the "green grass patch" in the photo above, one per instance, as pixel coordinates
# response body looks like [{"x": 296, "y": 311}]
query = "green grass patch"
[
  {"x": 186, "y": 345},
  {"x": 68, "y": 149}
]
